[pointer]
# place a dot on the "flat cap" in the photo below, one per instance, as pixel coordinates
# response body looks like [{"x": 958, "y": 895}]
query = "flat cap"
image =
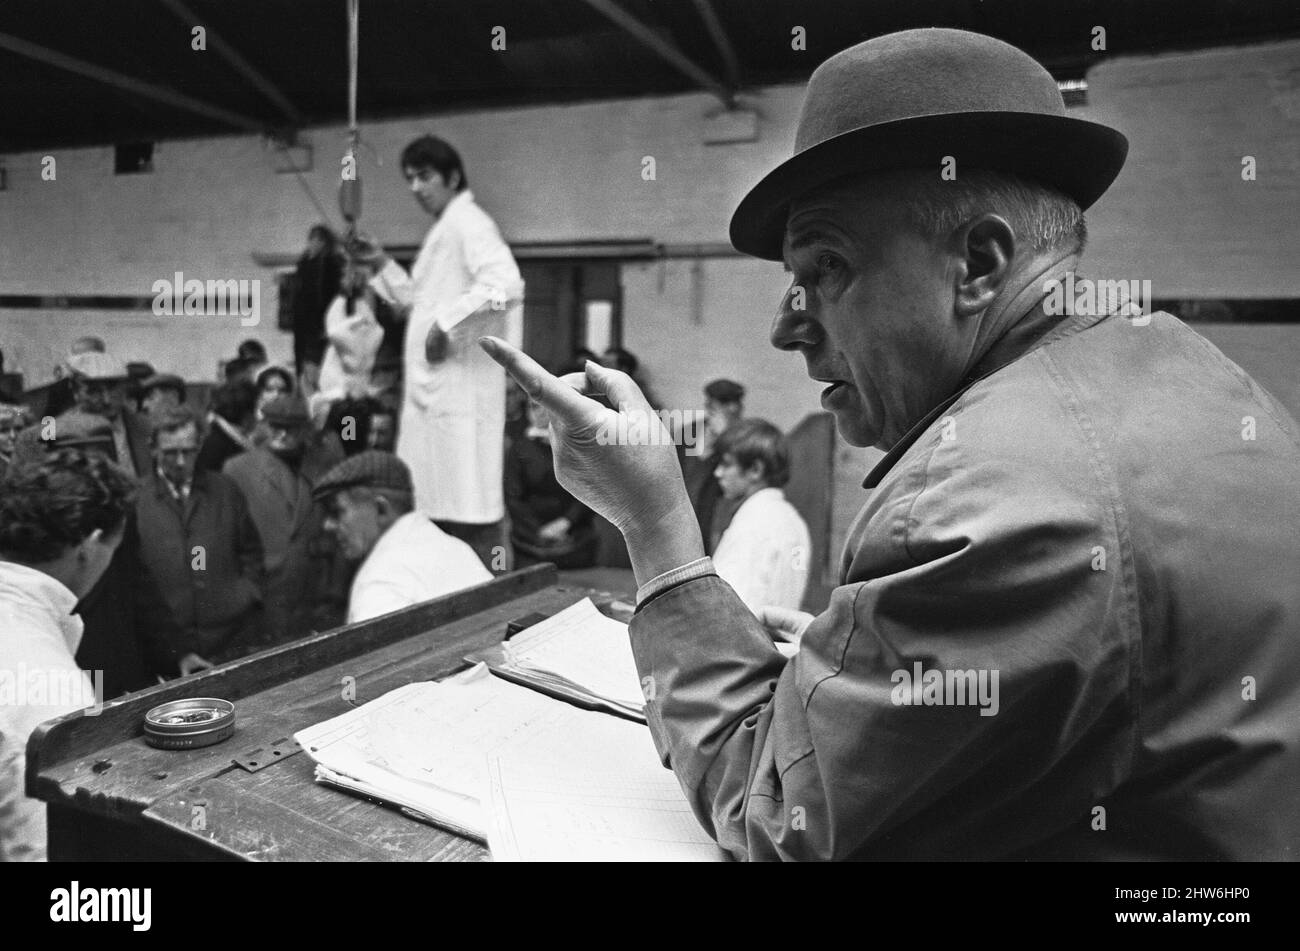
[
  {"x": 286, "y": 410},
  {"x": 163, "y": 381},
  {"x": 373, "y": 469},
  {"x": 725, "y": 391},
  {"x": 96, "y": 366}
]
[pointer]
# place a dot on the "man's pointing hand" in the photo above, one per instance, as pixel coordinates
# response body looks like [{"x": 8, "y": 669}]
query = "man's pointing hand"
[{"x": 619, "y": 463}]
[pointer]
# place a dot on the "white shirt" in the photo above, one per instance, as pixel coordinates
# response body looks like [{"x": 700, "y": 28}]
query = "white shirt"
[
  {"x": 413, "y": 561},
  {"x": 353, "y": 345},
  {"x": 765, "y": 552},
  {"x": 39, "y": 680},
  {"x": 453, "y": 412}
]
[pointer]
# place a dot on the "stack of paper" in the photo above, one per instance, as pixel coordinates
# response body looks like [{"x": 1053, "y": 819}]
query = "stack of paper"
[
  {"x": 422, "y": 746},
  {"x": 536, "y": 778},
  {"x": 578, "y": 655},
  {"x": 583, "y": 788}
]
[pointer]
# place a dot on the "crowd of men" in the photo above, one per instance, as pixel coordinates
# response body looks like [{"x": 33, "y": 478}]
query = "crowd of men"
[{"x": 171, "y": 526}]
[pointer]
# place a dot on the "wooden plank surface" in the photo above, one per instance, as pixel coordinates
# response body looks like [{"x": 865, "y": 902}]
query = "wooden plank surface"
[
  {"x": 101, "y": 767},
  {"x": 283, "y": 814}
]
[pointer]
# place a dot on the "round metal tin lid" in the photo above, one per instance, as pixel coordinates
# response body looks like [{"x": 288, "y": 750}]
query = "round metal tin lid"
[{"x": 191, "y": 717}]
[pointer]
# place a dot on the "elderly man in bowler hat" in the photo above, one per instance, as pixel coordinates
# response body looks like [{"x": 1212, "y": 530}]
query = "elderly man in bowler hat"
[{"x": 1067, "y": 613}]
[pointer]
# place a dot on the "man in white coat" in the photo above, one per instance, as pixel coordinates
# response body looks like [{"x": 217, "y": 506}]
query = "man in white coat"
[
  {"x": 464, "y": 284},
  {"x": 405, "y": 558}
]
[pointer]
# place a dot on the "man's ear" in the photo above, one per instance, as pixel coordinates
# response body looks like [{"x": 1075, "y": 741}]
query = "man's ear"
[
  {"x": 83, "y": 549},
  {"x": 987, "y": 246}
]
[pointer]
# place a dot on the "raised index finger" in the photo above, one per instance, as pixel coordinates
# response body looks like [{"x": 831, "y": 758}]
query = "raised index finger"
[{"x": 557, "y": 396}]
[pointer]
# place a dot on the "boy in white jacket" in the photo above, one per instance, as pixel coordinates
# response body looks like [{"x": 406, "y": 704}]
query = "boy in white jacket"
[{"x": 765, "y": 551}]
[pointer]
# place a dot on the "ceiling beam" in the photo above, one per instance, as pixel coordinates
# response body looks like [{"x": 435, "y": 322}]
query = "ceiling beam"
[
  {"x": 729, "y": 59},
  {"x": 138, "y": 87},
  {"x": 246, "y": 69},
  {"x": 666, "y": 50}
]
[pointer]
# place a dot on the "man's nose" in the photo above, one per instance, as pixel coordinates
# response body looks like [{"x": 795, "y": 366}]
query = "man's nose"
[{"x": 794, "y": 326}]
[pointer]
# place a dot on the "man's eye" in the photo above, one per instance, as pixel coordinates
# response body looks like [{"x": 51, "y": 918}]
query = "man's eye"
[{"x": 827, "y": 262}]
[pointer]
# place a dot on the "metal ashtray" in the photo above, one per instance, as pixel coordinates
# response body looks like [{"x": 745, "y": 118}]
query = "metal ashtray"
[{"x": 189, "y": 724}]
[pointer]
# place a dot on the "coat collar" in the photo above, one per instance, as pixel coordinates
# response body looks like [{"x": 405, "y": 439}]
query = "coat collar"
[{"x": 1003, "y": 354}]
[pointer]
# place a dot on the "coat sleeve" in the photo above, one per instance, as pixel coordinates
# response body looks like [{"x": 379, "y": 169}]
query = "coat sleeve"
[
  {"x": 164, "y": 641},
  {"x": 22, "y": 819},
  {"x": 834, "y": 754},
  {"x": 395, "y": 286},
  {"x": 493, "y": 275},
  {"x": 248, "y": 544}
]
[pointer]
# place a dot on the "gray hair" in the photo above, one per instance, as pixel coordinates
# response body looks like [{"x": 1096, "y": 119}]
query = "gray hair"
[{"x": 1039, "y": 215}]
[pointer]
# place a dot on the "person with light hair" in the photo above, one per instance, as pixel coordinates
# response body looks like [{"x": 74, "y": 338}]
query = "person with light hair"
[{"x": 1071, "y": 590}]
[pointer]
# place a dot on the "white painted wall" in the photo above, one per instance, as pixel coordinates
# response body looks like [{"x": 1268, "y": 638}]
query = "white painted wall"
[{"x": 1179, "y": 215}]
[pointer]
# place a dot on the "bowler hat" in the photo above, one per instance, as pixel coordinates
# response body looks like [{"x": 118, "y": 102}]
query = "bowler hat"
[{"x": 911, "y": 99}]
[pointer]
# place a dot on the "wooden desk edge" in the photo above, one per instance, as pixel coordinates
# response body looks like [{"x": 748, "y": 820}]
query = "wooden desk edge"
[{"x": 65, "y": 738}]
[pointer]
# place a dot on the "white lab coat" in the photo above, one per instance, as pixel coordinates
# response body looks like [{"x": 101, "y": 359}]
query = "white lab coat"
[
  {"x": 39, "y": 636},
  {"x": 765, "y": 551},
  {"x": 453, "y": 413},
  {"x": 413, "y": 561}
]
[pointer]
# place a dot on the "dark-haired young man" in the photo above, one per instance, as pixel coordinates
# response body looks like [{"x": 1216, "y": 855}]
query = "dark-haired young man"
[
  {"x": 61, "y": 519},
  {"x": 464, "y": 284},
  {"x": 764, "y": 552}
]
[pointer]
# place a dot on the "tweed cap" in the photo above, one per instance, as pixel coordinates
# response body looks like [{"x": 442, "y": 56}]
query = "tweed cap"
[
  {"x": 287, "y": 411},
  {"x": 372, "y": 469}
]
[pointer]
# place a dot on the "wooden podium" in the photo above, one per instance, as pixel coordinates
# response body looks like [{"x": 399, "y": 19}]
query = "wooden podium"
[{"x": 253, "y": 797}]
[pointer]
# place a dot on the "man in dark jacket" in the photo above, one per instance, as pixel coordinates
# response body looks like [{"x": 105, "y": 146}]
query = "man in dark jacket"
[
  {"x": 724, "y": 404},
  {"x": 200, "y": 546},
  {"x": 315, "y": 285},
  {"x": 276, "y": 480}
]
